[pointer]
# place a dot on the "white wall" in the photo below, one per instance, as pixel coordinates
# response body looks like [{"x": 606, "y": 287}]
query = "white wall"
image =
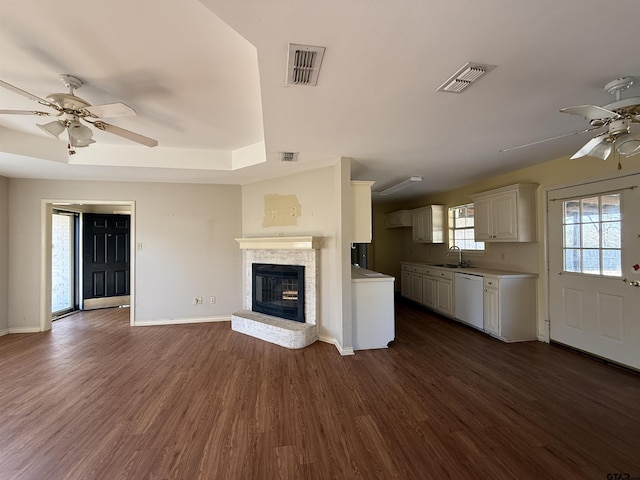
[
  {"x": 4, "y": 255},
  {"x": 321, "y": 196},
  {"x": 187, "y": 233}
]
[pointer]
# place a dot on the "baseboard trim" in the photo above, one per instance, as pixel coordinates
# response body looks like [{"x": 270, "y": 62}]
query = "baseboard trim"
[
  {"x": 4, "y": 332},
  {"x": 333, "y": 341},
  {"x": 24, "y": 330},
  {"x": 180, "y": 321}
]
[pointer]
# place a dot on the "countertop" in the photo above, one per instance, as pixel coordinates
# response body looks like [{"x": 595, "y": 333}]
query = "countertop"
[
  {"x": 363, "y": 275},
  {"x": 479, "y": 270}
]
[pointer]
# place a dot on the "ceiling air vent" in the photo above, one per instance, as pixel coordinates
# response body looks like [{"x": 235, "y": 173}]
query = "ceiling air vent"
[
  {"x": 463, "y": 78},
  {"x": 303, "y": 64},
  {"x": 288, "y": 156}
]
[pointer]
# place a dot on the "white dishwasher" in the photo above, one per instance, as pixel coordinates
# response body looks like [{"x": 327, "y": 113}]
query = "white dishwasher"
[{"x": 469, "y": 299}]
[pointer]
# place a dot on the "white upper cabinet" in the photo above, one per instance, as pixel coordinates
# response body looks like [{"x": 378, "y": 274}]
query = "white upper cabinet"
[
  {"x": 399, "y": 218},
  {"x": 506, "y": 214},
  {"x": 428, "y": 224},
  {"x": 361, "y": 204}
]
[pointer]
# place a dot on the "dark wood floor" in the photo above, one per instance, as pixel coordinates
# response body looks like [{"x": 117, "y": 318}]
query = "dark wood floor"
[{"x": 97, "y": 399}]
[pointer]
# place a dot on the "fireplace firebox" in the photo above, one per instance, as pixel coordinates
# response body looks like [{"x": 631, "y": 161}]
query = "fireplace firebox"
[{"x": 278, "y": 290}]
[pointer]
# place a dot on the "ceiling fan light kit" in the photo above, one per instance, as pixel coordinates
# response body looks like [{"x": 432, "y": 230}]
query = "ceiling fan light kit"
[
  {"x": 627, "y": 145},
  {"x": 73, "y": 110},
  {"x": 54, "y": 128}
]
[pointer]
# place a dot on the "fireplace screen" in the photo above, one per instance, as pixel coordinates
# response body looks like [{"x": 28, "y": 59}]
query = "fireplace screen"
[{"x": 278, "y": 290}]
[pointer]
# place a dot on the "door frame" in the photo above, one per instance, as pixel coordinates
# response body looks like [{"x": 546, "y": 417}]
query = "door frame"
[
  {"x": 545, "y": 280},
  {"x": 46, "y": 210},
  {"x": 76, "y": 257}
]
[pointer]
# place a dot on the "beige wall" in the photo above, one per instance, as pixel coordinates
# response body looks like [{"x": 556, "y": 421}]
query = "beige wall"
[
  {"x": 321, "y": 194},
  {"x": 391, "y": 246},
  {"x": 187, "y": 234},
  {"x": 4, "y": 255}
]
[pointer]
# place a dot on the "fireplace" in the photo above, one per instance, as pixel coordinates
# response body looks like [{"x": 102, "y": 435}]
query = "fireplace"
[
  {"x": 301, "y": 253},
  {"x": 278, "y": 290}
]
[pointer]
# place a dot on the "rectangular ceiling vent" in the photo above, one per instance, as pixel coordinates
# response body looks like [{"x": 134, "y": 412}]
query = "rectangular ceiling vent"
[
  {"x": 303, "y": 64},
  {"x": 465, "y": 77},
  {"x": 288, "y": 156}
]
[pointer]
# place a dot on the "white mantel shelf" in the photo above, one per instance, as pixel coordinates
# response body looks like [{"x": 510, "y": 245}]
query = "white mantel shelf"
[{"x": 280, "y": 243}]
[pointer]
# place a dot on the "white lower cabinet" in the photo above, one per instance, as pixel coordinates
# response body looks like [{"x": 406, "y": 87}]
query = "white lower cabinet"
[
  {"x": 405, "y": 282},
  {"x": 436, "y": 288},
  {"x": 411, "y": 282},
  {"x": 510, "y": 308},
  {"x": 509, "y": 298},
  {"x": 429, "y": 291},
  {"x": 444, "y": 295},
  {"x": 490, "y": 298}
]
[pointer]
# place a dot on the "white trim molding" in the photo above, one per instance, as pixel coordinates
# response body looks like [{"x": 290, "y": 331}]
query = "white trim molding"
[
  {"x": 24, "y": 330},
  {"x": 280, "y": 243},
  {"x": 333, "y": 341},
  {"x": 4, "y": 332},
  {"x": 181, "y": 321}
]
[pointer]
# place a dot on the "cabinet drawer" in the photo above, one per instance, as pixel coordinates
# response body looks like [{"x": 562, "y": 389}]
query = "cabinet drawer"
[
  {"x": 446, "y": 274},
  {"x": 491, "y": 282},
  {"x": 411, "y": 268}
]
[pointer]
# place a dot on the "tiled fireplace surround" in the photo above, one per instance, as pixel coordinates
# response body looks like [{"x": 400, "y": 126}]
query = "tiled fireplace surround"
[{"x": 280, "y": 251}]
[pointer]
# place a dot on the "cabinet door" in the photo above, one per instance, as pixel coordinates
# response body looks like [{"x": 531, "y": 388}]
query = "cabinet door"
[
  {"x": 416, "y": 227},
  {"x": 444, "y": 296},
  {"x": 505, "y": 216},
  {"x": 429, "y": 291},
  {"x": 482, "y": 219},
  {"x": 420, "y": 223},
  {"x": 416, "y": 287},
  {"x": 491, "y": 311},
  {"x": 405, "y": 284},
  {"x": 361, "y": 211}
]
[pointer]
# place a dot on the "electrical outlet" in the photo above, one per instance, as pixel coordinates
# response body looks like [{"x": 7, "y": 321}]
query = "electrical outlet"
[
  {"x": 212, "y": 299},
  {"x": 197, "y": 301}
]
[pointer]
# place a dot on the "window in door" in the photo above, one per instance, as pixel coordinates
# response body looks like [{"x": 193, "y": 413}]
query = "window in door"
[
  {"x": 461, "y": 233},
  {"x": 592, "y": 235}
]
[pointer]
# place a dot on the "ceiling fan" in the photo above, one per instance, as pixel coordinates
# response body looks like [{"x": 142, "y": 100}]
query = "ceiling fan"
[
  {"x": 617, "y": 117},
  {"x": 71, "y": 111}
]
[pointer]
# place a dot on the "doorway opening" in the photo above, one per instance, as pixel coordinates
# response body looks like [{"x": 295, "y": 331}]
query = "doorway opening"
[{"x": 62, "y": 262}]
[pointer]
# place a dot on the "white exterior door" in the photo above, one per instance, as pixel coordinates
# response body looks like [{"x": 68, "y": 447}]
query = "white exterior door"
[{"x": 594, "y": 264}]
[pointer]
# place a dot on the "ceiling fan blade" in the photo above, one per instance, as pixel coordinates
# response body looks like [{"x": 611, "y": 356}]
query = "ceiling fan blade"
[
  {"x": 588, "y": 148},
  {"x": 29, "y": 112},
  {"x": 590, "y": 112},
  {"x": 128, "y": 134},
  {"x": 549, "y": 139},
  {"x": 111, "y": 110},
  {"x": 24, "y": 93}
]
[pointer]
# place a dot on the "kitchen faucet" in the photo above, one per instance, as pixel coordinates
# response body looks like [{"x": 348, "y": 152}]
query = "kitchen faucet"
[{"x": 455, "y": 248}]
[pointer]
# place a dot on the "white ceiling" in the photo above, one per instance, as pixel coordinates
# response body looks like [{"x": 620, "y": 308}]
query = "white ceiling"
[{"x": 207, "y": 81}]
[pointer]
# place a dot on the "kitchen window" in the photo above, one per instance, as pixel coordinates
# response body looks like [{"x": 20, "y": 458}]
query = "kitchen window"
[
  {"x": 592, "y": 235},
  {"x": 461, "y": 232}
]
